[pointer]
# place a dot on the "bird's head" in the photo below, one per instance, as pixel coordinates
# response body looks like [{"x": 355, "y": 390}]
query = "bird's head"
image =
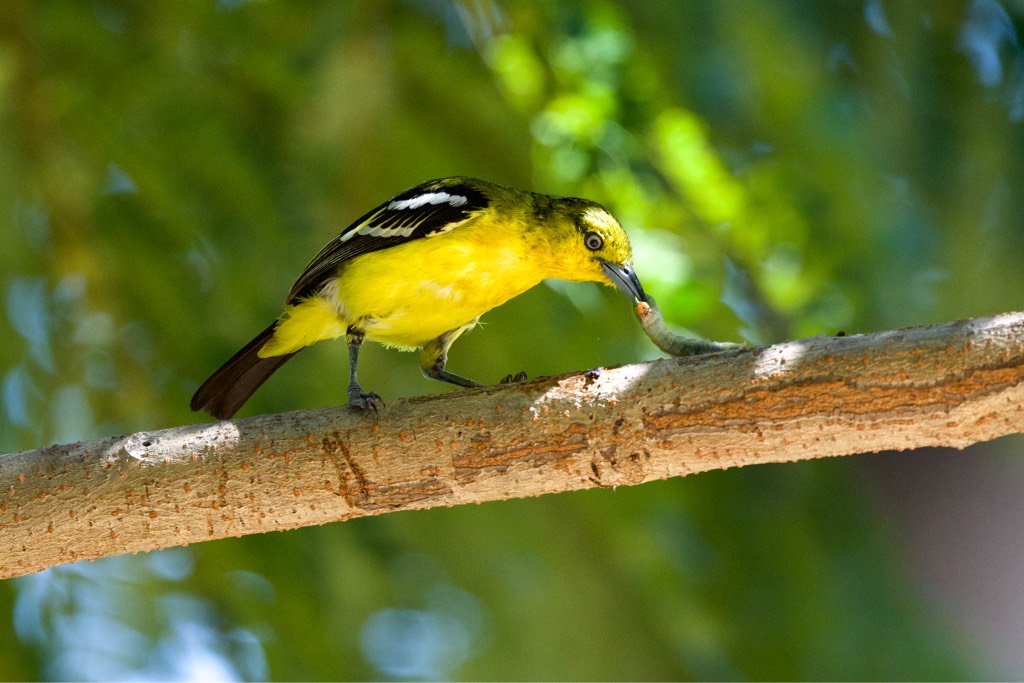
[{"x": 595, "y": 247}]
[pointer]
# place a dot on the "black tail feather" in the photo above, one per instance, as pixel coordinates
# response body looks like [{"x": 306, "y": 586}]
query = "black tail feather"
[{"x": 235, "y": 381}]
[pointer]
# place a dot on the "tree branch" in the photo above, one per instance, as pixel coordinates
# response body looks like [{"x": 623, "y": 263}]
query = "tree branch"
[{"x": 943, "y": 385}]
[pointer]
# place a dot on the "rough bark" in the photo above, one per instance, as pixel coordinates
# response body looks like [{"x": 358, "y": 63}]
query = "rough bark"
[{"x": 943, "y": 385}]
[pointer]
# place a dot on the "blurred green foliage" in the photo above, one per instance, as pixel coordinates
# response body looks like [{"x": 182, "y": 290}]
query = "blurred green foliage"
[{"x": 784, "y": 169}]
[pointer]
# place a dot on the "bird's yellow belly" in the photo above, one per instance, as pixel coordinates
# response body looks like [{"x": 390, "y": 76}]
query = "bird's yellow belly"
[
  {"x": 403, "y": 305},
  {"x": 413, "y": 318},
  {"x": 411, "y": 309}
]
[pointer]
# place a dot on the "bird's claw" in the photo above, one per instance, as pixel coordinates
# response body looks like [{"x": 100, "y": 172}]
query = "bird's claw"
[
  {"x": 365, "y": 401},
  {"x": 512, "y": 379}
]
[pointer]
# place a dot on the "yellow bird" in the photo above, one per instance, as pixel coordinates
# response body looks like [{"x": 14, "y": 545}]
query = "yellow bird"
[{"x": 419, "y": 270}]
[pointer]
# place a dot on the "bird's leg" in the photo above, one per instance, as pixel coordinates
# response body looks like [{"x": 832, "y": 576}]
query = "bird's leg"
[
  {"x": 435, "y": 355},
  {"x": 357, "y": 398}
]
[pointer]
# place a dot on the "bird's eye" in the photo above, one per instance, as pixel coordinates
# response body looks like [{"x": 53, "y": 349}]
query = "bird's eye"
[{"x": 593, "y": 241}]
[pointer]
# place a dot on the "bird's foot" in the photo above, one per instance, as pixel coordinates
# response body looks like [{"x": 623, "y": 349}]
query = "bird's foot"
[
  {"x": 365, "y": 401},
  {"x": 513, "y": 379}
]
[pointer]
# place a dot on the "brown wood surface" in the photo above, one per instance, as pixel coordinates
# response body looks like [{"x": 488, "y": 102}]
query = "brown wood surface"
[{"x": 952, "y": 384}]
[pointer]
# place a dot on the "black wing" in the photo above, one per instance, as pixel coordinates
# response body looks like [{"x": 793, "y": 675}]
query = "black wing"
[{"x": 429, "y": 209}]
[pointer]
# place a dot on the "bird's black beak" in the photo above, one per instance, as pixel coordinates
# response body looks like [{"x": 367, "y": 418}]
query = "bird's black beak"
[{"x": 625, "y": 279}]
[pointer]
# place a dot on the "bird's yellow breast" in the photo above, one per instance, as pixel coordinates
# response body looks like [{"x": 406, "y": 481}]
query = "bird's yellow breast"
[
  {"x": 407, "y": 295},
  {"x": 448, "y": 283}
]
